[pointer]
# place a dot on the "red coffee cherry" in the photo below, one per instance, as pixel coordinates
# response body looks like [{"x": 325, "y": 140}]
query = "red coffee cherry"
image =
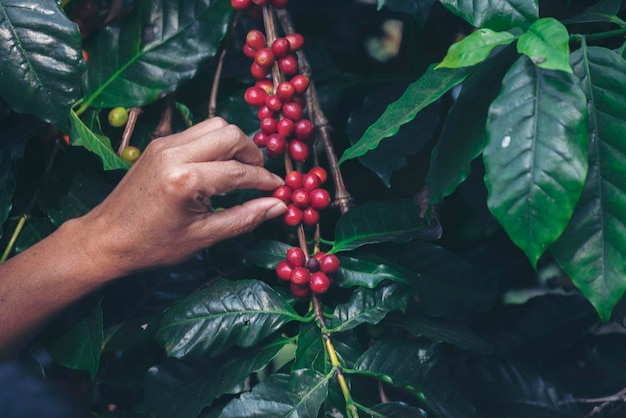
[
  {"x": 256, "y": 40},
  {"x": 310, "y": 181},
  {"x": 301, "y": 198},
  {"x": 319, "y": 283},
  {"x": 293, "y": 179},
  {"x": 319, "y": 172},
  {"x": 303, "y": 129},
  {"x": 310, "y": 216},
  {"x": 283, "y": 193},
  {"x": 300, "y": 276},
  {"x": 260, "y": 139},
  {"x": 266, "y": 84},
  {"x": 273, "y": 103},
  {"x": 292, "y": 110},
  {"x": 268, "y": 126},
  {"x": 240, "y": 4},
  {"x": 318, "y": 255},
  {"x": 295, "y": 257},
  {"x": 293, "y": 216},
  {"x": 284, "y": 270},
  {"x": 281, "y": 47},
  {"x": 259, "y": 72},
  {"x": 276, "y": 146},
  {"x": 285, "y": 127},
  {"x": 264, "y": 57},
  {"x": 285, "y": 91},
  {"x": 279, "y": 4},
  {"x": 259, "y": 2},
  {"x": 300, "y": 82},
  {"x": 265, "y": 112},
  {"x": 299, "y": 291},
  {"x": 298, "y": 151},
  {"x": 248, "y": 51},
  {"x": 329, "y": 264},
  {"x": 255, "y": 96},
  {"x": 320, "y": 199},
  {"x": 296, "y": 41},
  {"x": 313, "y": 265},
  {"x": 288, "y": 64}
]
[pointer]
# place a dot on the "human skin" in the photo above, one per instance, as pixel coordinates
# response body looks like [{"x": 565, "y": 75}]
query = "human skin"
[{"x": 157, "y": 215}]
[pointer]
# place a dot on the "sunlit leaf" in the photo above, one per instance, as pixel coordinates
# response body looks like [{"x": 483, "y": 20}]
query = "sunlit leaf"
[
  {"x": 495, "y": 14},
  {"x": 546, "y": 43},
  {"x": 474, "y": 48}
]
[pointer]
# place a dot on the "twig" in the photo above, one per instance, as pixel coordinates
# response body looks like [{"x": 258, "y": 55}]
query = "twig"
[
  {"x": 133, "y": 115},
  {"x": 381, "y": 392},
  {"x": 218, "y": 71},
  {"x": 604, "y": 402},
  {"x": 164, "y": 128}
]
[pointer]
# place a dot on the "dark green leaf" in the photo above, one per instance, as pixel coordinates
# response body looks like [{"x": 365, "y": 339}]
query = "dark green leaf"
[
  {"x": 366, "y": 272},
  {"x": 36, "y": 229},
  {"x": 176, "y": 389},
  {"x": 602, "y": 11},
  {"x": 97, "y": 143},
  {"x": 369, "y": 306},
  {"x": 129, "y": 68},
  {"x": 495, "y": 14},
  {"x": 395, "y": 410},
  {"x": 428, "y": 89},
  {"x": 266, "y": 254},
  {"x": 546, "y": 43},
  {"x": 299, "y": 394},
  {"x": 221, "y": 315},
  {"x": 418, "y": 8},
  {"x": 79, "y": 348},
  {"x": 84, "y": 194},
  {"x": 376, "y": 222},
  {"x": 444, "y": 399},
  {"x": 592, "y": 249},
  {"x": 536, "y": 157},
  {"x": 474, "y": 48},
  {"x": 463, "y": 136},
  {"x": 310, "y": 353},
  {"x": 41, "y": 59}
]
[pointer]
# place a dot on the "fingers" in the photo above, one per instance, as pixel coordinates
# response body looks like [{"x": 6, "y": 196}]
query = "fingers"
[{"x": 225, "y": 176}]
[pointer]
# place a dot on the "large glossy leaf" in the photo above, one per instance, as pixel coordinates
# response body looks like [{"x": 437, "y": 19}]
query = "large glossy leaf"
[
  {"x": 376, "y": 222},
  {"x": 546, "y": 42},
  {"x": 395, "y": 410},
  {"x": 366, "y": 272},
  {"x": 602, "y": 11},
  {"x": 79, "y": 348},
  {"x": 266, "y": 254},
  {"x": 464, "y": 136},
  {"x": 40, "y": 59},
  {"x": 311, "y": 353},
  {"x": 299, "y": 394},
  {"x": 221, "y": 315},
  {"x": 536, "y": 157},
  {"x": 495, "y": 14},
  {"x": 428, "y": 89},
  {"x": 369, "y": 306},
  {"x": 592, "y": 249},
  {"x": 474, "y": 48},
  {"x": 128, "y": 68},
  {"x": 176, "y": 389}
]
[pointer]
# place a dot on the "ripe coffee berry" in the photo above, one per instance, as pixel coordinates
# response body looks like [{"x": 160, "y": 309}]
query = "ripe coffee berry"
[
  {"x": 313, "y": 265},
  {"x": 299, "y": 291},
  {"x": 284, "y": 270},
  {"x": 300, "y": 276},
  {"x": 318, "y": 255},
  {"x": 255, "y": 39},
  {"x": 301, "y": 198},
  {"x": 281, "y": 47},
  {"x": 298, "y": 151},
  {"x": 283, "y": 193},
  {"x": 310, "y": 216},
  {"x": 293, "y": 216},
  {"x": 259, "y": 72},
  {"x": 310, "y": 181},
  {"x": 264, "y": 57},
  {"x": 285, "y": 127},
  {"x": 319, "y": 283},
  {"x": 295, "y": 256},
  {"x": 268, "y": 126},
  {"x": 296, "y": 41},
  {"x": 276, "y": 146},
  {"x": 303, "y": 129},
  {"x": 300, "y": 82},
  {"x": 288, "y": 64},
  {"x": 285, "y": 91},
  {"x": 265, "y": 112},
  {"x": 266, "y": 84},
  {"x": 255, "y": 96},
  {"x": 260, "y": 139},
  {"x": 293, "y": 179},
  {"x": 240, "y": 4},
  {"x": 320, "y": 199},
  {"x": 273, "y": 103},
  {"x": 329, "y": 264},
  {"x": 248, "y": 51},
  {"x": 292, "y": 110},
  {"x": 319, "y": 172},
  {"x": 300, "y": 100}
]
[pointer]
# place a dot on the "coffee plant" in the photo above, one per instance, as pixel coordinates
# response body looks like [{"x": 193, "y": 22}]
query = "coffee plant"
[{"x": 455, "y": 173}]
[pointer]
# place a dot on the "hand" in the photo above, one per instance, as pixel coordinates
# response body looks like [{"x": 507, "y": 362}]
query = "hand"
[{"x": 160, "y": 212}]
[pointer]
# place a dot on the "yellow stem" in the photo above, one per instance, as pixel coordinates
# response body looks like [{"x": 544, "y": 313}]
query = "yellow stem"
[{"x": 13, "y": 240}]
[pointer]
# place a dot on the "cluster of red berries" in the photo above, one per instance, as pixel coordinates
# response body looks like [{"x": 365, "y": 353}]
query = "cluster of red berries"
[
  {"x": 303, "y": 196},
  {"x": 281, "y": 107},
  {"x": 303, "y": 275}
]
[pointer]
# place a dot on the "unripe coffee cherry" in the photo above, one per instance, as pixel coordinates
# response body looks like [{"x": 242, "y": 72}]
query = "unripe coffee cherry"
[
  {"x": 293, "y": 216},
  {"x": 292, "y": 110},
  {"x": 303, "y": 129},
  {"x": 285, "y": 91},
  {"x": 283, "y": 193},
  {"x": 260, "y": 139},
  {"x": 310, "y": 216},
  {"x": 300, "y": 82},
  {"x": 310, "y": 181},
  {"x": 300, "y": 198},
  {"x": 288, "y": 64},
  {"x": 131, "y": 154},
  {"x": 284, "y": 270},
  {"x": 295, "y": 256},
  {"x": 299, "y": 291},
  {"x": 255, "y": 39},
  {"x": 118, "y": 117},
  {"x": 285, "y": 127},
  {"x": 319, "y": 283},
  {"x": 281, "y": 47},
  {"x": 329, "y": 264},
  {"x": 320, "y": 199},
  {"x": 255, "y": 96},
  {"x": 293, "y": 179},
  {"x": 276, "y": 146},
  {"x": 298, "y": 151},
  {"x": 300, "y": 276},
  {"x": 264, "y": 57}
]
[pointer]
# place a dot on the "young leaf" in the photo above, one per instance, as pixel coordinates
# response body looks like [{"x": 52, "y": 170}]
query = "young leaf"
[
  {"x": 79, "y": 348},
  {"x": 41, "y": 59},
  {"x": 221, "y": 315},
  {"x": 546, "y": 43},
  {"x": 369, "y": 306},
  {"x": 536, "y": 157},
  {"x": 474, "y": 48},
  {"x": 428, "y": 89},
  {"x": 592, "y": 250},
  {"x": 375, "y": 222},
  {"x": 365, "y": 272},
  {"x": 299, "y": 394},
  {"x": 153, "y": 50},
  {"x": 497, "y": 15}
]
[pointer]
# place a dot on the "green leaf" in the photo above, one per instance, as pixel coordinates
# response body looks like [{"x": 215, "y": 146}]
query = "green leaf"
[
  {"x": 395, "y": 410},
  {"x": 176, "y": 389},
  {"x": 474, "y": 48},
  {"x": 420, "y": 9},
  {"x": 266, "y": 254},
  {"x": 127, "y": 69},
  {"x": 592, "y": 249},
  {"x": 299, "y": 394},
  {"x": 41, "y": 59},
  {"x": 365, "y": 272},
  {"x": 221, "y": 315},
  {"x": 79, "y": 348},
  {"x": 602, "y": 11},
  {"x": 495, "y": 14},
  {"x": 376, "y": 222},
  {"x": 464, "y": 136},
  {"x": 369, "y": 306},
  {"x": 311, "y": 352},
  {"x": 428, "y": 89},
  {"x": 99, "y": 144},
  {"x": 536, "y": 157},
  {"x": 546, "y": 43}
]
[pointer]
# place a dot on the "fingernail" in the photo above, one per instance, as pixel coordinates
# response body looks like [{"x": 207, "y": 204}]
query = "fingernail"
[{"x": 275, "y": 211}]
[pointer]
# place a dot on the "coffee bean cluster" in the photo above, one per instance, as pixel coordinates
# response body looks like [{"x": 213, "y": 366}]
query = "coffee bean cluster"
[
  {"x": 314, "y": 274},
  {"x": 304, "y": 196}
]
